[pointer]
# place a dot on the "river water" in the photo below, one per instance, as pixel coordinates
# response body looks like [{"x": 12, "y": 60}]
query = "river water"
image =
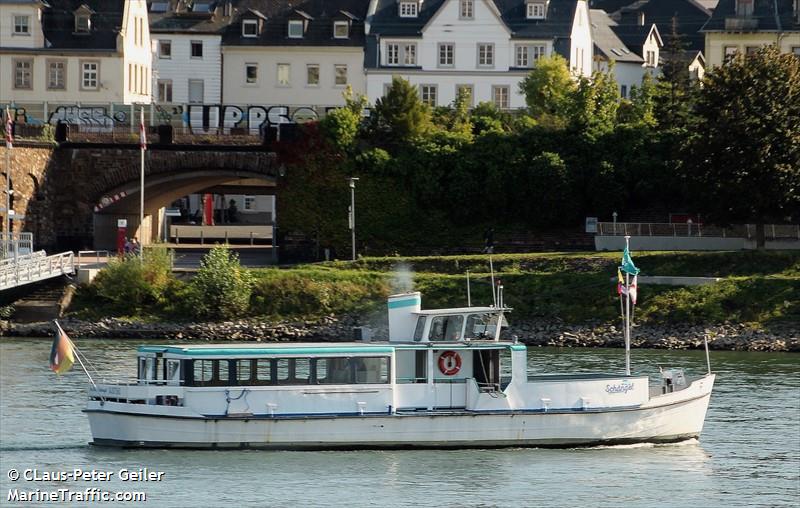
[{"x": 748, "y": 455}]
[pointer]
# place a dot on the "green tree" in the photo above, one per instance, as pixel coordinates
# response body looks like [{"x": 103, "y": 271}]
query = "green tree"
[
  {"x": 744, "y": 157},
  {"x": 221, "y": 289},
  {"x": 548, "y": 89},
  {"x": 401, "y": 112},
  {"x": 595, "y": 104},
  {"x": 341, "y": 126},
  {"x": 676, "y": 91},
  {"x": 640, "y": 108},
  {"x": 131, "y": 283}
]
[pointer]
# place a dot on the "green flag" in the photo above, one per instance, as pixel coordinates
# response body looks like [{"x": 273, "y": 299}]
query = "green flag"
[{"x": 627, "y": 263}]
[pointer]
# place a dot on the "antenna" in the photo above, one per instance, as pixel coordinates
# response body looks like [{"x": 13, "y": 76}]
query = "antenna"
[
  {"x": 491, "y": 270},
  {"x": 469, "y": 297}
]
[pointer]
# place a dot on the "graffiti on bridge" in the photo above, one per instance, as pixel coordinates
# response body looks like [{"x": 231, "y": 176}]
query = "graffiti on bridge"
[
  {"x": 95, "y": 118},
  {"x": 212, "y": 119}
]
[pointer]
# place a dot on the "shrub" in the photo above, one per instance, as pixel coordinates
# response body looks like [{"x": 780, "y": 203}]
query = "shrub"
[
  {"x": 130, "y": 283},
  {"x": 221, "y": 289}
]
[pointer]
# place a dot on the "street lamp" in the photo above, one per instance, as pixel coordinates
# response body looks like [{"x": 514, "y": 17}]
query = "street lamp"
[{"x": 352, "y": 213}]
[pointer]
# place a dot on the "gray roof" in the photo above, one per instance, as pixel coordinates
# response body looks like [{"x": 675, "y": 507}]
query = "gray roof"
[
  {"x": 58, "y": 24},
  {"x": 690, "y": 16},
  {"x": 764, "y": 12},
  {"x": 387, "y": 21},
  {"x": 606, "y": 41},
  {"x": 319, "y": 14},
  {"x": 179, "y": 18}
]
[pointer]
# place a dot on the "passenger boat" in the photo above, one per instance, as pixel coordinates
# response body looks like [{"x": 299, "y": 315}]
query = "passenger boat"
[{"x": 443, "y": 379}]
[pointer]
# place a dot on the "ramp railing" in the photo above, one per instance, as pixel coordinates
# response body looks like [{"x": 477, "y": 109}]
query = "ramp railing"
[{"x": 34, "y": 268}]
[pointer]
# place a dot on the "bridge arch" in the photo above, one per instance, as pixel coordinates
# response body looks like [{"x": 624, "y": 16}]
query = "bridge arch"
[{"x": 169, "y": 175}]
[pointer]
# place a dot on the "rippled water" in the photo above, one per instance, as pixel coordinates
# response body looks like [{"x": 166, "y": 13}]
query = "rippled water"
[{"x": 749, "y": 453}]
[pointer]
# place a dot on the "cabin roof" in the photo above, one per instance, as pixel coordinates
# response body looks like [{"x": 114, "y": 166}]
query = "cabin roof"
[
  {"x": 462, "y": 310},
  {"x": 323, "y": 348}
]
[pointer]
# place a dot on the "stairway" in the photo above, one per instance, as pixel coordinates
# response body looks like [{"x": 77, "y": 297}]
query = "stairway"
[{"x": 43, "y": 301}]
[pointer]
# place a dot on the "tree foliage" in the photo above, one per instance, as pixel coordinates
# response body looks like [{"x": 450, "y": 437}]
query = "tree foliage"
[
  {"x": 221, "y": 288},
  {"x": 744, "y": 157},
  {"x": 548, "y": 88},
  {"x": 401, "y": 113}
]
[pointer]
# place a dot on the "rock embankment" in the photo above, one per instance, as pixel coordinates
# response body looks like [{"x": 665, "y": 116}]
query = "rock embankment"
[{"x": 735, "y": 337}]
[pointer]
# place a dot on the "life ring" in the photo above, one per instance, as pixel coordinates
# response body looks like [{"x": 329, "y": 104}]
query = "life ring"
[{"x": 449, "y": 363}]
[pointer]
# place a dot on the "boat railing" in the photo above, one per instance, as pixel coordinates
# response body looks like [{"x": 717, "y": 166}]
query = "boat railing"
[{"x": 139, "y": 382}]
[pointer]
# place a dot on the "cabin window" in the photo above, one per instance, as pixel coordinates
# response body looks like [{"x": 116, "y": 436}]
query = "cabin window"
[
  {"x": 203, "y": 372},
  {"x": 446, "y": 328},
  {"x": 222, "y": 374},
  {"x": 420, "y": 366},
  {"x": 243, "y": 368},
  {"x": 282, "y": 371},
  {"x": 352, "y": 370},
  {"x": 419, "y": 329},
  {"x": 301, "y": 370},
  {"x": 149, "y": 372},
  {"x": 140, "y": 374},
  {"x": 173, "y": 370},
  {"x": 263, "y": 372}
]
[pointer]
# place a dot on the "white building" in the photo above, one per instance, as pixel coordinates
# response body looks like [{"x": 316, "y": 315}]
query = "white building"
[
  {"x": 295, "y": 55},
  {"x": 633, "y": 60},
  {"x": 65, "y": 53},
  {"x": 484, "y": 48},
  {"x": 187, "y": 59}
]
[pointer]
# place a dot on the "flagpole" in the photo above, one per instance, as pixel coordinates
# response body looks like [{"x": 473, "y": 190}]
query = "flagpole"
[
  {"x": 7, "y": 246},
  {"x": 141, "y": 180},
  {"x": 627, "y": 317}
]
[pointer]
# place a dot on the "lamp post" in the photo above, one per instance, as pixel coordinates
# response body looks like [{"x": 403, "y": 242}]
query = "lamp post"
[
  {"x": 352, "y": 213},
  {"x": 614, "y": 217}
]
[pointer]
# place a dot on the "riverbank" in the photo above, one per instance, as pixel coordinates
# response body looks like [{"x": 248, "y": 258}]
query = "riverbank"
[{"x": 536, "y": 333}]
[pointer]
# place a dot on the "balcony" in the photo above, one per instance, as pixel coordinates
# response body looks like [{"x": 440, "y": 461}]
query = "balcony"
[{"x": 741, "y": 23}]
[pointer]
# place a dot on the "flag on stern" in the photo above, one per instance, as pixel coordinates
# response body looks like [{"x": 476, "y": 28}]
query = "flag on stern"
[
  {"x": 627, "y": 263},
  {"x": 61, "y": 354},
  {"x": 9, "y": 129}
]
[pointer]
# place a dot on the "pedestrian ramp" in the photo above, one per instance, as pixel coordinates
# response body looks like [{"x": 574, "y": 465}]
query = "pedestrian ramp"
[{"x": 34, "y": 267}]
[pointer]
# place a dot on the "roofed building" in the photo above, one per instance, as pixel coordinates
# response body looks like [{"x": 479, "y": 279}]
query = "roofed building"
[
  {"x": 482, "y": 48},
  {"x": 633, "y": 49},
  {"x": 68, "y": 52},
  {"x": 746, "y": 25},
  {"x": 301, "y": 54}
]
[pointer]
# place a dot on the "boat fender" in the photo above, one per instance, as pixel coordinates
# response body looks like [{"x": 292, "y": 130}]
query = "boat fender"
[{"x": 449, "y": 363}]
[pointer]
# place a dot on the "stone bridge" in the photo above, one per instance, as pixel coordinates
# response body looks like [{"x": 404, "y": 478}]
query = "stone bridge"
[{"x": 71, "y": 196}]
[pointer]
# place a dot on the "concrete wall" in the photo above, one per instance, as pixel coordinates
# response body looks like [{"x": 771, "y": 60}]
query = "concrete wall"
[{"x": 613, "y": 243}]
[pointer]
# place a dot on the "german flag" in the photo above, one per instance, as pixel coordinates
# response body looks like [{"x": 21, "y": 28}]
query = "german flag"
[{"x": 61, "y": 354}]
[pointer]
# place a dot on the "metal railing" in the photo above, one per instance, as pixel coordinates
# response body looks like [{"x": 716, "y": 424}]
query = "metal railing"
[
  {"x": 35, "y": 269},
  {"x": 85, "y": 257},
  {"x": 771, "y": 231},
  {"x": 15, "y": 244}
]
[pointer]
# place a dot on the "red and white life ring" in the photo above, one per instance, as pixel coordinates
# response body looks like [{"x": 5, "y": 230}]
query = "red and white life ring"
[{"x": 449, "y": 363}]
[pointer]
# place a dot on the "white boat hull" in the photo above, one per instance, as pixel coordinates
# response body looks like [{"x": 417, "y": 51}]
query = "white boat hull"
[{"x": 667, "y": 418}]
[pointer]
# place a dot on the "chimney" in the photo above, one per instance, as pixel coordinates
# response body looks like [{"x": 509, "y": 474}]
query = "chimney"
[{"x": 402, "y": 317}]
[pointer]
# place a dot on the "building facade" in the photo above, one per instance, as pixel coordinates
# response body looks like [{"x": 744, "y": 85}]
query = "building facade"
[
  {"x": 300, "y": 55},
  {"x": 743, "y": 26},
  {"x": 631, "y": 60},
  {"x": 187, "y": 57},
  {"x": 70, "y": 52},
  {"x": 481, "y": 48}
]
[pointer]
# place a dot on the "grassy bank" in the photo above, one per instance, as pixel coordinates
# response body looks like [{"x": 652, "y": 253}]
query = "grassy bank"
[{"x": 762, "y": 288}]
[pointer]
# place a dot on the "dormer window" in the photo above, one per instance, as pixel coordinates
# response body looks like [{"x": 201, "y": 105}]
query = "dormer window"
[
  {"x": 341, "y": 29},
  {"x": 295, "y": 29},
  {"x": 249, "y": 28},
  {"x": 408, "y": 9},
  {"x": 535, "y": 10},
  {"x": 83, "y": 23},
  {"x": 744, "y": 7}
]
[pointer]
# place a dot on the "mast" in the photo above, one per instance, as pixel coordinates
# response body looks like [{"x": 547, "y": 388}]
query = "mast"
[{"x": 627, "y": 327}]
